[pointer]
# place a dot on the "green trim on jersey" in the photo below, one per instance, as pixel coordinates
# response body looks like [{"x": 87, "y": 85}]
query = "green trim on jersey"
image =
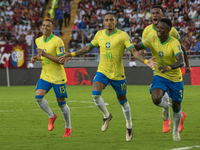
[
  {"x": 153, "y": 28},
  {"x": 61, "y": 54},
  {"x": 142, "y": 45},
  {"x": 93, "y": 45},
  {"x": 178, "y": 53},
  {"x": 130, "y": 47},
  {"x": 49, "y": 38},
  {"x": 111, "y": 33},
  {"x": 165, "y": 41}
]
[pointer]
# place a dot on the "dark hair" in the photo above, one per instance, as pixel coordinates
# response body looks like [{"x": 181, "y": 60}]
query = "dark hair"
[
  {"x": 110, "y": 13},
  {"x": 49, "y": 21},
  {"x": 167, "y": 21},
  {"x": 158, "y": 6}
]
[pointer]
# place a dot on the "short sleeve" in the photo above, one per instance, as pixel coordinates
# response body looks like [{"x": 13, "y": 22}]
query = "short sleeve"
[
  {"x": 146, "y": 42},
  {"x": 174, "y": 33},
  {"x": 127, "y": 41},
  {"x": 94, "y": 42},
  {"x": 177, "y": 48},
  {"x": 144, "y": 35},
  {"x": 60, "y": 48}
]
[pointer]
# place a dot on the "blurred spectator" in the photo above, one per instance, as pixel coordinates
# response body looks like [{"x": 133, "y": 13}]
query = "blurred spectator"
[
  {"x": 118, "y": 25},
  {"x": 72, "y": 43},
  {"x": 82, "y": 24},
  {"x": 4, "y": 3},
  {"x": 92, "y": 23},
  {"x": 192, "y": 13},
  {"x": 59, "y": 17},
  {"x": 197, "y": 47},
  {"x": 29, "y": 40},
  {"x": 75, "y": 27},
  {"x": 47, "y": 16},
  {"x": 88, "y": 37},
  {"x": 56, "y": 31},
  {"x": 176, "y": 9},
  {"x": 67, "y": 12}
]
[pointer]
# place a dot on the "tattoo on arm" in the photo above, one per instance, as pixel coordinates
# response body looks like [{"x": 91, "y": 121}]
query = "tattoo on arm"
[
  {"x": 137, "y": 55},
  {"x": 84, "y": 50}
]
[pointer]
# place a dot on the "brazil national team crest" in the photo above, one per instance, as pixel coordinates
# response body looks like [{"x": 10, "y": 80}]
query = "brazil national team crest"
[
  {"x": 161, "y": 54},
  {"x": 17, "y": 56},
  {"x": 108, "y": 45}
]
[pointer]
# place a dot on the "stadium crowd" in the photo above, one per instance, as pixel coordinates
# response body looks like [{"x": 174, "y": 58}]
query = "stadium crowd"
[
  {"x": 19, "y": 17},
  {"x": 134, "y": 16}
]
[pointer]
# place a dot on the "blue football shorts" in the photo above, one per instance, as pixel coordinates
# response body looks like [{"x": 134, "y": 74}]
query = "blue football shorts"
[
  {"x": 175, "y": 89},
  {"x": 59, "y": 89},
  {"x": 118, "y": 85}
]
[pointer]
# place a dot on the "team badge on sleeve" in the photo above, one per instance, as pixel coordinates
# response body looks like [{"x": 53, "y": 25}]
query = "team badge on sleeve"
[
  {"x": 61, "y": 49},
  {"x": 179, "y": 48}
]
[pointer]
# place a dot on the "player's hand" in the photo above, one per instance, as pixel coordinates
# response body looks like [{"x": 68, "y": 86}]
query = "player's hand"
[
  {"x": 163, "y": 69},
  {"x": 41, "y": 52},
  {"x": 64, "y": 58},
  {"x": 152, "y": 64},
  {"x": 188, "y": 69},
  {"x": 33, "y": 59}
]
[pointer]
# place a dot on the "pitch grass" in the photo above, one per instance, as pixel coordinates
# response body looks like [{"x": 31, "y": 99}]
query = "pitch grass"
[{"x": 23, "y": 125}]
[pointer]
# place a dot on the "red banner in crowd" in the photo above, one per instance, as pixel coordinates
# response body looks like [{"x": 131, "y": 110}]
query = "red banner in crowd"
[
  {"x": 77, "y": 76},
  {"x": 15, "y": 54}
]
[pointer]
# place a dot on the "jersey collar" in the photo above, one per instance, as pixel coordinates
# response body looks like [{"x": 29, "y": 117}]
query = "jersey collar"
[
  {"x": 165, "y": 41},
  {"x": 153, "y": 28},
  {"x": 112, "y": 33},
  {"x": 48, "y": 39}
]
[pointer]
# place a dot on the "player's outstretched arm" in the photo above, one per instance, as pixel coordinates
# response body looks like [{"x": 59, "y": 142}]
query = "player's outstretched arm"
[
  {"x": 187, "y": 65},
  {"x": 82, "y": 51},
  {"x": 139, "y": 57},
  {"x": 178, "y": 64}
]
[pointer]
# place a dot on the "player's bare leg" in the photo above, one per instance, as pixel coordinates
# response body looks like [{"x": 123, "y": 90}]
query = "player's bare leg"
[{"x": 97, "y": 88}]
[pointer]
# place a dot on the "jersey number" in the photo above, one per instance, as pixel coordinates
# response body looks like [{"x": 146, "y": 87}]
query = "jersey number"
[
  {"x": 109, "y": 55},
  {"x": 62, "y": 89},
  {"x": 181, "y": 93},
  {"x": 123, "y": 87}
]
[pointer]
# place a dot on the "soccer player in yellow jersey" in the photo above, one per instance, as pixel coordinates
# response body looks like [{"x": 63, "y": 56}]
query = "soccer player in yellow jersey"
[
  {"x": 157, "y": 13},
  {"x": 50, "y": 48},
  {"x": 167, "y": 74},
  {"x": 112, "y": 42}
]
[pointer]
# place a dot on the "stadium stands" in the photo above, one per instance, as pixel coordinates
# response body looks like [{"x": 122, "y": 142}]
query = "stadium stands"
[{"x": 17, "y": 17}]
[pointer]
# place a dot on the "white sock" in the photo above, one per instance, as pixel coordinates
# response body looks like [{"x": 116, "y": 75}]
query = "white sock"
[
  {"x": 127, "y": 114},
  {"x": 101, "y": 105},
  {"x": 176, "y": 120},
  {"x": 66, "y": 114},
  {"x": 44, "y": 105},
  {"x": 163, "y": 104}
]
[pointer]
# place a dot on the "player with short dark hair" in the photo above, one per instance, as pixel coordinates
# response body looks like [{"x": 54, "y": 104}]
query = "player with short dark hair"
[
  {"x": 50, "y": 48},
  {"x": 157, "y": 13},
  {"x": 167, "y": 74},
  {"x": 112, "y": 42}
]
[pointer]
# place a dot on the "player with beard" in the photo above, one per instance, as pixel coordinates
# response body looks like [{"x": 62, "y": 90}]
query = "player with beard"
[
  {"x": 157, "y": 13},
  {"x": 167, "y": 74},
  {"x": 112, "y": 43}
]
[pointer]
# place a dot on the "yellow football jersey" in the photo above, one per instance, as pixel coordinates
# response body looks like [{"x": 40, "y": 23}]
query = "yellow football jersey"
[
  {"x": 165, "y": 55},
  {"x": 150, "y": 30},
  {"x": 51, "y": 71},
  {"x": 111, "y": 52}
]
